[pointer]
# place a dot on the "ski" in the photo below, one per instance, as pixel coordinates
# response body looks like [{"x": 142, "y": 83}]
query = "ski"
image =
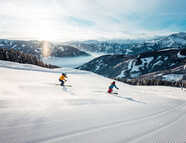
[
  {"x": 113, "y": 93},
  {"x": 68, "y": 85},
  {"x": 63, "y": 85}
]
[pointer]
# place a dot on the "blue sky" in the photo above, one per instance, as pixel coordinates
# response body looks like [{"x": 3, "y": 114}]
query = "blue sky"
[{"x": 63, "y": 20}]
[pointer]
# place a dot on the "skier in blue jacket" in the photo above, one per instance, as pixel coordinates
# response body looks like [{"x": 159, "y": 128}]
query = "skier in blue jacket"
[{"x": 112, "y": 86}]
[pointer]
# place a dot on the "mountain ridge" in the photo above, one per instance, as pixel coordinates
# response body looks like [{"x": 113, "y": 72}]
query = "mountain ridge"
[
  {"x": 132, "y": 47},
  {"x": 39, "y": 48}
]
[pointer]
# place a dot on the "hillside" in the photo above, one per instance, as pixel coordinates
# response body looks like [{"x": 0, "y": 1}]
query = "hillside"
[
  {"x": 123, "y": 67},
  {"x": 34, "y": 109}
]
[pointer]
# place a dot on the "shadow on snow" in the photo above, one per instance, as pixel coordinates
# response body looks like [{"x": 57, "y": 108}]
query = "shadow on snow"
[{"x": 130, "y": 99}]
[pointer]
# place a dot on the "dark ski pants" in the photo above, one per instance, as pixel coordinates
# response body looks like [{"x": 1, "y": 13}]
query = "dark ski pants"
[{"x": 62, "y": 82}]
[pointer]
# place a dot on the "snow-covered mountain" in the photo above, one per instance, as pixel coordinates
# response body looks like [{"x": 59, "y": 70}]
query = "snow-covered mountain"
[
  {"x": 33, "y": 109},
  {"x": 175, "y": 40},
  {"x": 133, "y": 47},
  {"x": 114, "y": 47},
  {"x": 122, "y": 66},
  {"x": 39, "y": 48}
]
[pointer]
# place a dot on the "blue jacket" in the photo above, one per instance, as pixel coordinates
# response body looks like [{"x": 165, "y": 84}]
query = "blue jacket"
[{"x": 112, "y": 86}]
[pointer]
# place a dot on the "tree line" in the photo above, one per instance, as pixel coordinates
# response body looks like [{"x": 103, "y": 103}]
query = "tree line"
[
  {"x": 148, "y": 81},
  {"x": 20, "y": 57}
]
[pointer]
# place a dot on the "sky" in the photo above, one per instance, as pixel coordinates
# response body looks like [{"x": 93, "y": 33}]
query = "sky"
[{"x": 65, "y": 20}]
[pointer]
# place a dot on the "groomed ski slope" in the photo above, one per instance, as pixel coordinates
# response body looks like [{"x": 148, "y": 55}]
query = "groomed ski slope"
[{"x": 34, "y": 110}]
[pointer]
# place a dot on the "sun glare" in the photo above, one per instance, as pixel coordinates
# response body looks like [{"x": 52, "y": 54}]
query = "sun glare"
[{"x": 45, "y": 49}]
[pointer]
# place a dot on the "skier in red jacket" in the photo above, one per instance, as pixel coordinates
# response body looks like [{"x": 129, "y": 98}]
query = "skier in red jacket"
[{"x": 113, "y": 84}]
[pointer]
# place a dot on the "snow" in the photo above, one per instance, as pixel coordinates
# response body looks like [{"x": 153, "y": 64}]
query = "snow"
[
  {"x": 172, "y": 64},
  {"x": 121, "y": 75},
  {"x": 157, "y": 63},
  {"x": 61, "y": 48},
  {"x": 98, "y": 65},
  {"x": 159, "y": 57},
  {"x": 130, "y": 64},
  {"x": 173, "y": 77},
  {"x": 166, "y": 58},
  {"x": 11, "y": 42},
  {"x": 180, "y": 40},
  {"x": 33, "y": 109},
  {"x": 14, "y": 46},
  {"x": 135, "y": 68},
  {"x": 144, "y": 60},
  {"x": 97, "y": 68},
  {"x": 160, "y": 74},
  {"x": 181, "y": 56},
  {"x": 166, "y": 49},
  {"x": 128, "y": 51},
  {"x": 170, "y": 41}
]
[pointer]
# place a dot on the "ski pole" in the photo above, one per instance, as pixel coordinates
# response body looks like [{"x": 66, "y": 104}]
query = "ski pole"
[{"x": 69, "y": 81}]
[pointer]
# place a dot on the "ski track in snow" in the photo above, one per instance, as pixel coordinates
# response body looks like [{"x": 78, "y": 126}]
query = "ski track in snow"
[
  {"x": 34, "y": 110},
  {"x": 105, "y": 128}
]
